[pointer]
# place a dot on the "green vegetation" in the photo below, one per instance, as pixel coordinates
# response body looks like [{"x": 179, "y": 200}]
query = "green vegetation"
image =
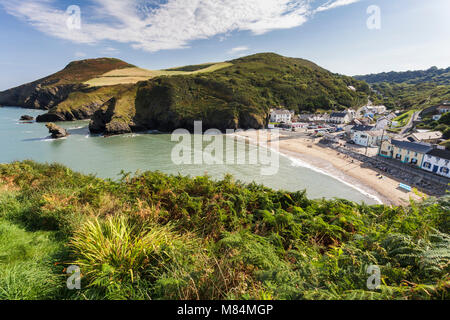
[
  {"x": 242, "y": 94},
  {"x": 442, "y": 125},
  {"x": 404, "y": 119},
  {"x": 411, "y": 89},
  {"x": 434, "y": 75},
  {"x": 155, "y": 236}
]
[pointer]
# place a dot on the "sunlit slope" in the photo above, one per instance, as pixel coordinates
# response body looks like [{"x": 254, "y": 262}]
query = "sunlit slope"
[{"x": 134, "y": 74}]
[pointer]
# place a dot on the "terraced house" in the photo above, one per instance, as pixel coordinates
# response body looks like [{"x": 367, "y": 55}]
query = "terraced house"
[
  {"x": 405, "y": 151},
  {"x": 437, "y": 161}
]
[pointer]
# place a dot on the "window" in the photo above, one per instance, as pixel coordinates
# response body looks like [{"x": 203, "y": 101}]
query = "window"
[
  {"x": 427, "y": 165},
  {"x": 414, "y": 161},
  {"x": 445, "y": 170},
  {"x": 398, "y": 157}
]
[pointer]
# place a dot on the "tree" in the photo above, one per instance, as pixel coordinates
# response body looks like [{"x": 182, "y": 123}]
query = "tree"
[
  {"x": 445, "y": 119},
  {"x": 446, "y": 134}
]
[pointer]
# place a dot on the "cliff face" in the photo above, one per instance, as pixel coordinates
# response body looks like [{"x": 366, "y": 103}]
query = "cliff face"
[
  {"x": 50, "y": 91},
  {"x": 37, "y": 95}
]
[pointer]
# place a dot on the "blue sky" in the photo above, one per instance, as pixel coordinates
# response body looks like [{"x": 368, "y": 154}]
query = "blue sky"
[{"x": 36, "y": 40}]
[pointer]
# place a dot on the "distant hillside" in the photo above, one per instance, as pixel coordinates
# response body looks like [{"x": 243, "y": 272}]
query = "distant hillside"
[
  {"x": 411, "y": 89},
  {"x": 121, "y": 98},
  {"x": 432, "y": 75}
]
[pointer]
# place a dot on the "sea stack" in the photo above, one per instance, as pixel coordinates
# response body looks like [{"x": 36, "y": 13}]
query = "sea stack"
[
  {"x": 26, "y": 118},
  {"x": 57, "y": 132}
]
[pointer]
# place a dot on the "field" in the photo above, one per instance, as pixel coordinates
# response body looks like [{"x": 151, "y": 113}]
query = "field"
[
  {"x": 134, "y": 75},
  {"x": 154, "y": 236}
]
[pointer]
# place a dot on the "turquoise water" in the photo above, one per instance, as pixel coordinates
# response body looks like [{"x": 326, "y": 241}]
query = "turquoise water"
[{"x": 107, "y": 157}]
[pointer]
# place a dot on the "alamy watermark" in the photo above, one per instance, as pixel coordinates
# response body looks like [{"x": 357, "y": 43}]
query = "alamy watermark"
[
  {"x": 73, "y": 20},
  {"x": 74, "y": 280},
  {"x": 210, "y": 148},
  {"x": 374, "y": 20},
  {"x": 374, "y": 280}
]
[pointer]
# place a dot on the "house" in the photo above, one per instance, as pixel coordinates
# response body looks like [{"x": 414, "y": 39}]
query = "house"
[
  {"x": 444, "y": 107},
  {"x": 371, "y": 111},
  {"x": 341, "y": 117},
  {"x": 280, "y": 115},
  {"x": 405, "y": 151},
  {"x": 369, "y": 138},
  {"x": 383, "y": 123},
  {"x": 437, "y": 161},
  {"x": 428, "y": 137}
]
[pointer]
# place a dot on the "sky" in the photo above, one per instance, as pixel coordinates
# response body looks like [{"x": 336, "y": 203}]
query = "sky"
[{"x": 352, "y": 37}]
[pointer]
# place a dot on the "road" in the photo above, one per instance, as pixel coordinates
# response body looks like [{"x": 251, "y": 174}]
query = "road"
[{"x": 410, "y": 124}]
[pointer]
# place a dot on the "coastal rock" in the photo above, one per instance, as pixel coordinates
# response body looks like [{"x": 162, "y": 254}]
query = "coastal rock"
[
  {"x": 37, "y": 95},
  {"x": 50, "y": 117},
  {"x": 106, "y": 121},
  {"x": 26, "y": 118},
  {"x": 56, "y": 131}
]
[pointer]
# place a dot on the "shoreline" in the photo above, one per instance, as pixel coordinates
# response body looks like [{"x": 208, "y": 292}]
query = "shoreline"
[{"x": 330, "y": 162}]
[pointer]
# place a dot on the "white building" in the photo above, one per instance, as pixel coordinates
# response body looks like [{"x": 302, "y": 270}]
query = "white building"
[
  {"x": 427, "y": 136},
  {"x": 437, "y": 117},
  {"x": 444, "y": 107},
  {"x": 437, "y": 161},
  {"x": 383, "y": 123},
  {"x": 341, "y": 117},
  {"x": 374, "y": 110},
  {"x": 280, "y": 115},
  {"x": 369, "y": 138}
]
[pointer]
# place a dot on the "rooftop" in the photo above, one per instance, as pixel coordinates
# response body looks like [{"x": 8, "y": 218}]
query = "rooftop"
[
  {"x": 362, "y": 128},
  {"x": 413, "y": 146},
  {"x": 420, "y": 136},
  {"x": 279, "y": 111},
  {"x": 439, "y": 153},
  {"x": 338, "y": 115}
]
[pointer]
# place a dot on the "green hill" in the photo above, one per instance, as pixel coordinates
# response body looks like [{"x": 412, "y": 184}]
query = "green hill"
[
  {"x": 411, "y": 89},
  {"x": 155, "y": 237},
  {"x": 238, "y": 96},
  {"x": 433, "y": 75},
  {"x": 234, "y": 94}
]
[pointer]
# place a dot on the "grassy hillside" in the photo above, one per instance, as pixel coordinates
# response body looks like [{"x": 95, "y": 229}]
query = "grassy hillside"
[
  {"x": 134, "y": 75},
  {"x": 411, "y": 89},
  {"x": 241, "y": 94},
  {"x": 84, "y": 70},
  {"x": 170, "y": 237}
]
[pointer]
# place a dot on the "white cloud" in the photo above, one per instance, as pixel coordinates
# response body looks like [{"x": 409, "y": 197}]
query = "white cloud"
[
  {"x": 334, "y": 4},
  {"x": 238, "y": 50},
  {"x": 154, "y": 25}
]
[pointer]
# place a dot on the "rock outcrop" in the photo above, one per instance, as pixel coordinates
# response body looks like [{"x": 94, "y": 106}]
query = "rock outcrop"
[
  {"x": 37, "y": 95},
  {"x": 26, "y": 118},
  {"x": 56, "y": 131}
]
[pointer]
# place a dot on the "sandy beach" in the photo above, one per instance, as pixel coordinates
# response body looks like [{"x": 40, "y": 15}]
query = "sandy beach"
[{"x": 342, "y": 167}]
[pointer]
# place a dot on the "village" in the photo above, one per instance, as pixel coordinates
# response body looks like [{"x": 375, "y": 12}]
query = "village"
[{"x": 392, "y": 143}]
